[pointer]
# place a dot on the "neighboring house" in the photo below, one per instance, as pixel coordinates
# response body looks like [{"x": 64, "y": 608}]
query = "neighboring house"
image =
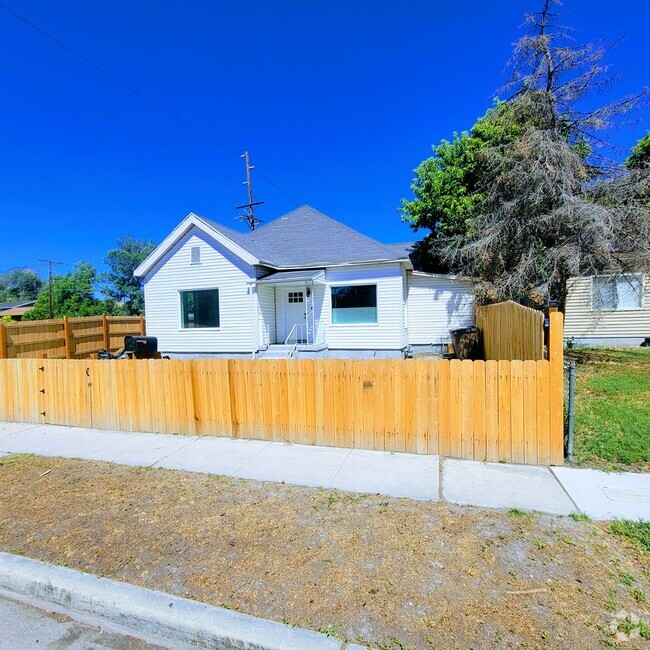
[
  {"x": 16, "y": 310},
  {"x": 303, "y": 285},
  {"x": 608, "y": 310}
]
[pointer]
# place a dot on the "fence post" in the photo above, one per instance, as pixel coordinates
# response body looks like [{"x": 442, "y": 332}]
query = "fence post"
[
  {"x": 107, "y": 340},
  {"x": 571, "y": 409},
  {"x": 3, "y": 341},
  {"x": 143, "y": 330},
  {"x": 556, "y": 374},
  {"x": 67, "y": 337}
]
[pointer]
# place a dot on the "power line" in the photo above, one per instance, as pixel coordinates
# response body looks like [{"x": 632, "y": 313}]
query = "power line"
[
  {"x": 135, "y": 91},
  {"x": 116, "y": 119},
  {"x": 110, "y": 75}
]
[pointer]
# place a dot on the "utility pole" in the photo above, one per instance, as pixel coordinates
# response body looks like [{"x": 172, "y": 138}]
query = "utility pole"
[
  {"x": 50, "y": 263},
  {"x": 249, "y": 216}
]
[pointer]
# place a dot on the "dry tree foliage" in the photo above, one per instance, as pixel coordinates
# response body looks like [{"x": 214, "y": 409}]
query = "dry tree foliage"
[{"x": 554, "y": 206}]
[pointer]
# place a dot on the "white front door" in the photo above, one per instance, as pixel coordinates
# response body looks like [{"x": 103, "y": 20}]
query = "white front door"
[{"x": 294, "y": 314}]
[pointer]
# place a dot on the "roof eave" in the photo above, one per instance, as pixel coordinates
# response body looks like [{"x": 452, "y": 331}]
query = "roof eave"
[
  {"x": 445, "y": 276},
  {"x": 314, "y": 265},
  {"x": 193, "y": 220}
]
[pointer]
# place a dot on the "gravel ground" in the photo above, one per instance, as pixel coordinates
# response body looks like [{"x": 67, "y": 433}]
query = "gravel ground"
[{"x": 387, "y": 572}]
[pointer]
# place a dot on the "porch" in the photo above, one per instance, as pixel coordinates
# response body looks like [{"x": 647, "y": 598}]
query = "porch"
[{"x": 290, "y": 305}]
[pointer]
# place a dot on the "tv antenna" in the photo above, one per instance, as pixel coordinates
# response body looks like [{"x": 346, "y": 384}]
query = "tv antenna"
[{"x": 249, "y": 216}]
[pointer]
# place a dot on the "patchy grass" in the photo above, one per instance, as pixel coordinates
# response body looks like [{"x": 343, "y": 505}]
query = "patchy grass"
[
  {"x": 638, "y": 532},
  {"x": 389, "y": 573},
  {"x": 612, "y": 420}
]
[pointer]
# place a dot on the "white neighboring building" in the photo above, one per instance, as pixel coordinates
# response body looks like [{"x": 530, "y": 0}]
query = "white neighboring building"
[
  {"x": 608, "y": 310},
  {"x": 301, "y": 285}
]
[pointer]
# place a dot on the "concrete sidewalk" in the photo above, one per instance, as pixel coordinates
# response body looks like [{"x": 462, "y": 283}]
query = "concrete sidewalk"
[{"x": 494, "y": 485}]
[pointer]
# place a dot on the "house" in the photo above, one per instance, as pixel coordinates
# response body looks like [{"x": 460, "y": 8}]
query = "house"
[
  {"x": 16, "y": 310},
  {"x": 608, "y": 310},
  {"x": 301, "y": 285}
]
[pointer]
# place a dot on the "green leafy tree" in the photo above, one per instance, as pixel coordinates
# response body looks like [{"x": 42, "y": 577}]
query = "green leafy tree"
[
  {"x": 73, "y": 294},
  {"x": 447, "y": 186},
  {"x": 120, "y": 283},
  {"x": 640, "y": 155},
  {"x": 524, "y": 201},
  {"x": 20, "y": 284}
]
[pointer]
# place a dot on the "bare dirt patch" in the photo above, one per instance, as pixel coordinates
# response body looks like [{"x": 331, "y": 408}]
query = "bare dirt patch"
[{"x": 391, "y": 573}]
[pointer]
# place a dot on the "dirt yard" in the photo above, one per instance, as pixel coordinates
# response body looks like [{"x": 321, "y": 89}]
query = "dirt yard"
[{"x": 389, "y": 573}]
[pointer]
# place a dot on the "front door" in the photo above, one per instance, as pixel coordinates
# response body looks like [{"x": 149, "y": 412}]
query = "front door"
[{"x": 294, "y": 314}]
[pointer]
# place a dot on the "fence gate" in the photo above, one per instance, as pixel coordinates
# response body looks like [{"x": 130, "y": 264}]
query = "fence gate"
[{"x": 64, "y": 392}]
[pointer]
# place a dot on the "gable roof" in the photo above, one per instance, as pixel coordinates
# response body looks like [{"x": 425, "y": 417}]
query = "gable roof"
[
  {"x": 13, "y": 305},
  {"x": 302, "y": 238},
  {"x": 307, "y": 237}
]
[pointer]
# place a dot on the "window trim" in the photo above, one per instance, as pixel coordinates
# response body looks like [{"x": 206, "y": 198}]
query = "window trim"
[
  {"x": 616, "y": 309},
  {"x": 180, "y": 310},
  {"x": 357, "y": 283}
]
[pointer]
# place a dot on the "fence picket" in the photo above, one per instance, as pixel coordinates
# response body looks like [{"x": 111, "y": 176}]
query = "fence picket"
[
  {"x": 511, "y": 331},
  {"x": 504, "y": 410}
]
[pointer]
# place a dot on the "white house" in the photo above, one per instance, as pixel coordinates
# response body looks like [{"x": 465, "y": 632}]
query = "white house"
[
  {"x": 301, "y": 285},
  {"x": 608, "y": 310}
]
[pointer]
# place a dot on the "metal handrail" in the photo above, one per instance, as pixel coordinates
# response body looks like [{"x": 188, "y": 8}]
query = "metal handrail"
[
  {"x": 295, "y": 345},
  {"x": 299, "y": 333},
  {"x": 286, "y": 341}
]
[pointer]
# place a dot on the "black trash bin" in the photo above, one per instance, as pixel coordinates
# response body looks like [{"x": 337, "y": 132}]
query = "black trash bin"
[{"x": 467, "y": 343}]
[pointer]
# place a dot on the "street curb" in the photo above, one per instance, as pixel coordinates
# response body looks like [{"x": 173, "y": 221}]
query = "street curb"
[{"x": 152, "y": 613}]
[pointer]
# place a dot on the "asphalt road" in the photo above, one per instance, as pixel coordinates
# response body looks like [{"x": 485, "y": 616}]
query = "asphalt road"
[{"x": 24, "y": 627}]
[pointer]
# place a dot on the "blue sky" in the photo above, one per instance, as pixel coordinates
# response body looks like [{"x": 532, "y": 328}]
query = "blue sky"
[{"x": 336, "y": 101}]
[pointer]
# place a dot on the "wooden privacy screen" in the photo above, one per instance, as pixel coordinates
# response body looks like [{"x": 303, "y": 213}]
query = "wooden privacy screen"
[
  {"x": 494, "y": 411},
  {"x": 66, "y": 338},
  {"x": 511, "y": 331}
]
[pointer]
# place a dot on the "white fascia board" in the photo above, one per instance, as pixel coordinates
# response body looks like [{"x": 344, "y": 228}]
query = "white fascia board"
[
  {"x": 443, "y": 276},
  {"x": 329, "y": 265},
  {"x": 180, "y": 230},
  {"x": 316, "y": 279}
]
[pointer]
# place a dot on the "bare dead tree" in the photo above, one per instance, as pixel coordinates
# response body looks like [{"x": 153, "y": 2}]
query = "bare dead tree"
[
  {"x": 548, "y": 59},
  {"x": 551, "y": 209}
]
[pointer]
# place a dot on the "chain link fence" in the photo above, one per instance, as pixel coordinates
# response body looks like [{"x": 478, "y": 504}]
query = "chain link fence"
[{"x": 569, "y": 407}]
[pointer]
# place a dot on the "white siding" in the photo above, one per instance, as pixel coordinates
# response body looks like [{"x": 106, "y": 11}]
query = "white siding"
[
  {"x": 320, "y": 316},
  {"x": 581, "y": 322},
  {"x": 219, "y": 269},
  {"x": 266, "y": 301},
  {"x": 435, "y": 306},
  {"x": 404, "y": 297},
  {"x": 386, "y": 334}
]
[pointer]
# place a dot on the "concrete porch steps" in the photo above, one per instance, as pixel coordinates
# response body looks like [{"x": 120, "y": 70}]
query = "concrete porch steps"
[{"x": 277, "y": 351}]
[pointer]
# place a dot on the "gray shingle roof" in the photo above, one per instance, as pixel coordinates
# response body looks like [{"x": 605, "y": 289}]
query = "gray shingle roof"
[
  {"x": 13, "y": 305},
  {"x": 306, "y": 238},
  {"x": 291, "y": 276},
  {"x": 403, "y": 248}
]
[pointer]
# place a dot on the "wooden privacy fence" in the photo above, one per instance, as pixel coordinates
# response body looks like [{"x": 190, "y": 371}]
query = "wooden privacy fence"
[
  {"x": 66, "y": 338},
  {"x": 481, "y": 410},
  {"x": 511, "y": 331}
]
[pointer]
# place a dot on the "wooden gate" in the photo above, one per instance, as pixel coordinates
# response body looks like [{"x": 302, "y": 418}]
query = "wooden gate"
[{"x": 64, "y": 392}]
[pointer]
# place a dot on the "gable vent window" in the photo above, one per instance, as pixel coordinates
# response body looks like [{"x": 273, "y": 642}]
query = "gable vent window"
[{"x": 195, "y": 255}]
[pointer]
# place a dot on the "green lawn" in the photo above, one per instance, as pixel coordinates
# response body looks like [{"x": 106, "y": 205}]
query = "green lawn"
[
  {"x": 612, "y": 419},
  {"x": 638, "y": 532}
]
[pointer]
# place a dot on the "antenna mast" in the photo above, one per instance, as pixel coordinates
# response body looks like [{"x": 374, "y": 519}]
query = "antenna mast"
[{"x": 249, "y": 216}]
